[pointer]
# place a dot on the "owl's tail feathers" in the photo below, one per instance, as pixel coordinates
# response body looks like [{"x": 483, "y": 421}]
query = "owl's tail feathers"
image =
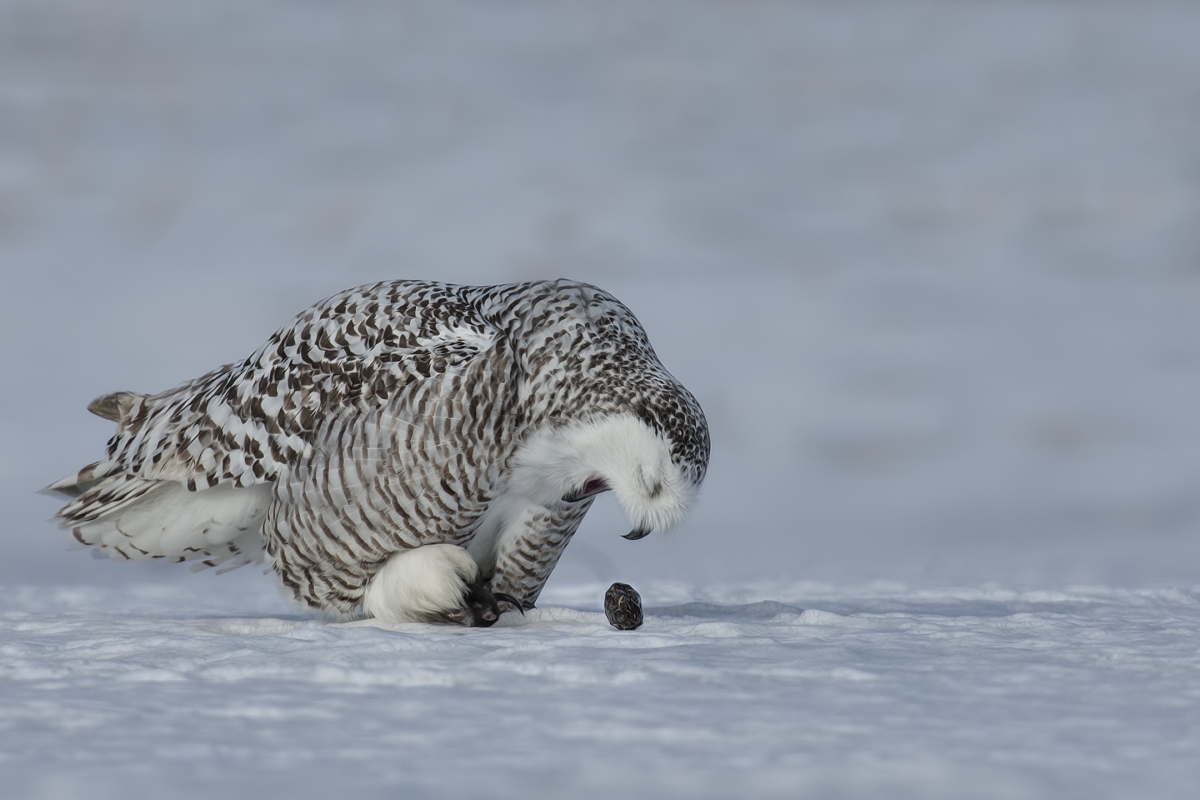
[
  {"x": 129, "y": 518},
  {"x": 86, "y": 478}
]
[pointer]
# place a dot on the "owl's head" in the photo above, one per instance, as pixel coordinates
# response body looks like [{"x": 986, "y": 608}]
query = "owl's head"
[{"x": 618, "y": 452}]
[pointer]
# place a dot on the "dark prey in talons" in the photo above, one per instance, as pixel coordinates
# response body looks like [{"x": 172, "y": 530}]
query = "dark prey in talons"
[{"x": 483, "y": 608}]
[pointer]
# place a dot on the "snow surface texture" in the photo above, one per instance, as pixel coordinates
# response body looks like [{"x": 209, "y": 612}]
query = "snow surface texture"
[
  {"x": 879, "y": 692},
  {"x": 931, "y": 268}
]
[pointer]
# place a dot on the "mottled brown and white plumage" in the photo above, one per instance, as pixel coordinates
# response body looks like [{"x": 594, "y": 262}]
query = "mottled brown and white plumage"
[{"x": 397, "y": 444}]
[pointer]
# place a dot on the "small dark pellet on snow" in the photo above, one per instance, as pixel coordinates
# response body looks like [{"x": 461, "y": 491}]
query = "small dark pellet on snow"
[{"x": 623, "y": 606}]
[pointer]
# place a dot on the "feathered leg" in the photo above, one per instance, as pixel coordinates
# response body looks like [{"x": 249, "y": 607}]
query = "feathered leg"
[{"x": 526, "y": 556}]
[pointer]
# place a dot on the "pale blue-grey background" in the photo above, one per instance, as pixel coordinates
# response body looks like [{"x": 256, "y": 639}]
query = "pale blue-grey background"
[{"x": 933, "y": 269}]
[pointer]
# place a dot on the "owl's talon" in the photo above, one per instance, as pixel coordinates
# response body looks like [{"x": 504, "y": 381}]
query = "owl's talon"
[{"x": 508, "y": 598}]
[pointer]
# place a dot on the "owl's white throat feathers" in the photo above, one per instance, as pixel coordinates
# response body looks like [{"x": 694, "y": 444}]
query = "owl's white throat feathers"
[{"x": 618, "y": 452}]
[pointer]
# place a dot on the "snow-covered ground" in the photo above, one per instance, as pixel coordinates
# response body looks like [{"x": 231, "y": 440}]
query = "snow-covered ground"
[
  {"x": 771, "y": 691},
  {"x": 932, "y": 268}
]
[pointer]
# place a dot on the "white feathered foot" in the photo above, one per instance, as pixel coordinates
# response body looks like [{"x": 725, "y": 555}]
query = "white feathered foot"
[{"x": 434, "y": 583}]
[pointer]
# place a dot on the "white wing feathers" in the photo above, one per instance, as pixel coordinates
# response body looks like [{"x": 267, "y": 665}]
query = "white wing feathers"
[{"x": 162, "y": 519}]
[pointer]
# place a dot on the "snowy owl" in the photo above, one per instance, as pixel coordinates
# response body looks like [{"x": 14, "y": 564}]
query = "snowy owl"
[{"x": 410, "y": 450}]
